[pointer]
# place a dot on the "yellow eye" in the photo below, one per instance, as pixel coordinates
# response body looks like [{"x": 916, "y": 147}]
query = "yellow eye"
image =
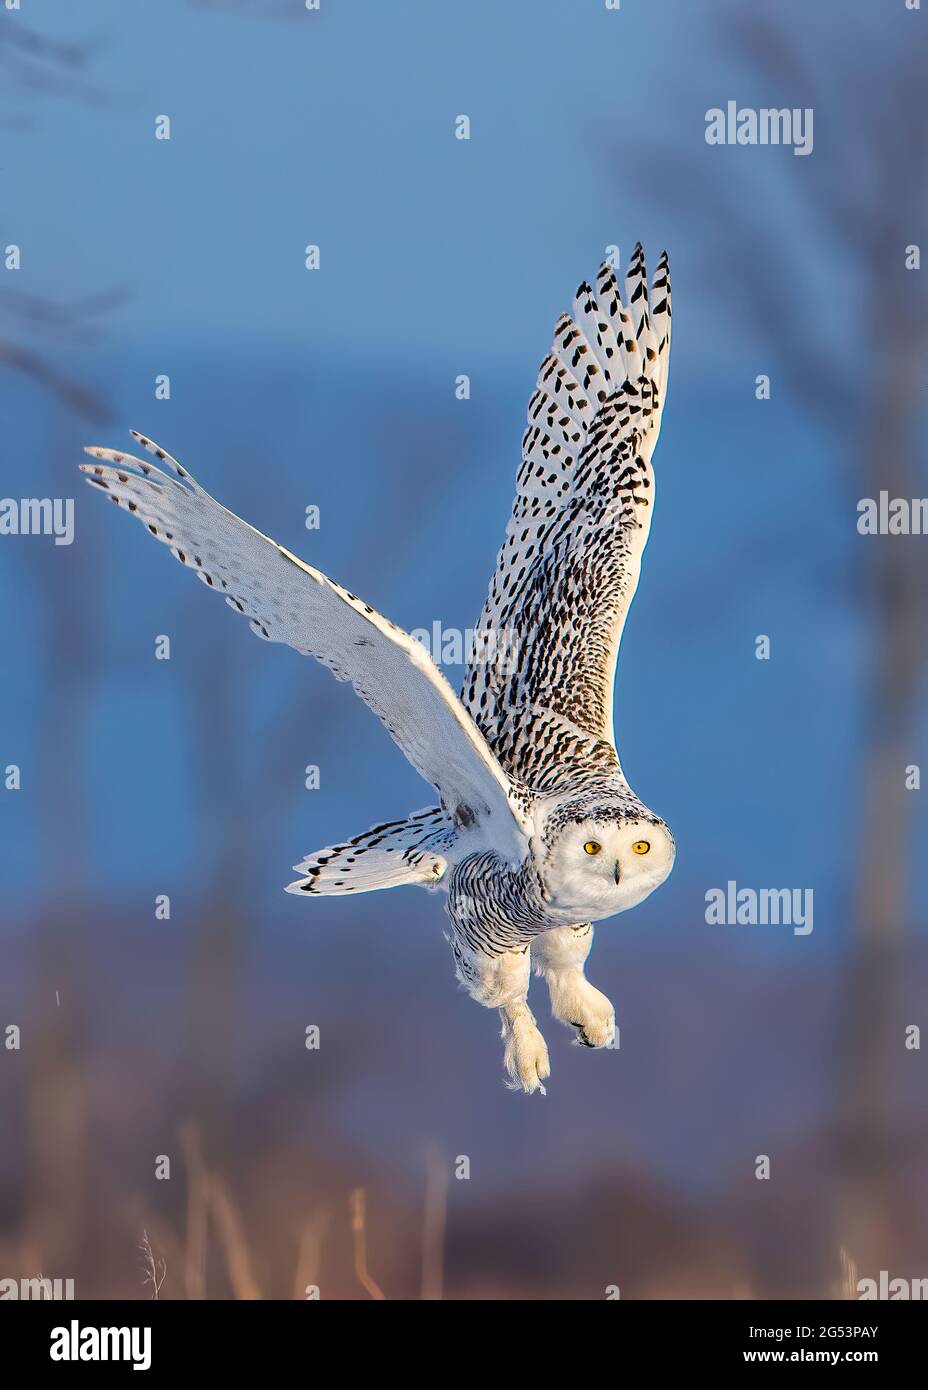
[
  {"x": 641, "y": 846},
  {"x": 592, "y": 847}
]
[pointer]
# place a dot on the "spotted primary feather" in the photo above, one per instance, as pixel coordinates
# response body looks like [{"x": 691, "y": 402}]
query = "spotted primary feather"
[{"x": 568, "y": 568}]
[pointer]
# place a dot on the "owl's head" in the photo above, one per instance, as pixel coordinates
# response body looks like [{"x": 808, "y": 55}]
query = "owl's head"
[{"x": 603, "y": 860}]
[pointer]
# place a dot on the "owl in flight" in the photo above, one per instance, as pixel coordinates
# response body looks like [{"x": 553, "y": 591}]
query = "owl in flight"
[{"x": 536, "y": 834}]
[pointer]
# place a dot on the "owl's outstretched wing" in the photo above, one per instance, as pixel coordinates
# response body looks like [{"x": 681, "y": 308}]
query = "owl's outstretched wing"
[
  {"x": 540, "y": 681},
  {"x": 288, "y": 601}
]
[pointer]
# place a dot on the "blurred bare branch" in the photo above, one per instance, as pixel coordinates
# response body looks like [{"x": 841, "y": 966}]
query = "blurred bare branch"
[
  {"x": 71, "y": 393},
  {"x": 67, "y": 321},
  {"x": 38, "y": 48},
  {"x": 34, "y": 67}
]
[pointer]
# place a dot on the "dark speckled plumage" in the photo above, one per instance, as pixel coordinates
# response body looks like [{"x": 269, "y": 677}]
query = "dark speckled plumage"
[{"x": 529, "y": 748}]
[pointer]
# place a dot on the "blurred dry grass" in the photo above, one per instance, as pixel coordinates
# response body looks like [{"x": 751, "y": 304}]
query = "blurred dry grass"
[{"x": 263, "y": 1211}]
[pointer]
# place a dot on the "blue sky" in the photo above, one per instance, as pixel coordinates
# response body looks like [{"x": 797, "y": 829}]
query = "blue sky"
[
  {"x": 440, "y": 256},
  {"x": 335, "y": 388},
  {"x": 337, "y": 128}
]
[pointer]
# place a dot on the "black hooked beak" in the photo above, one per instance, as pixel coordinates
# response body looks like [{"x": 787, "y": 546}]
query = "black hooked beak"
[{"x": 617, "y": 872}]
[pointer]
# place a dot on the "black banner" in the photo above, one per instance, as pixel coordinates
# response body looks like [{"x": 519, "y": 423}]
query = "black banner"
[{"x": 163, "y": 1338}]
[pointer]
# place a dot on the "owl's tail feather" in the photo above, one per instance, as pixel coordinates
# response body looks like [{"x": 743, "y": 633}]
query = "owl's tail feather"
[{"x": 386, "y": 856}]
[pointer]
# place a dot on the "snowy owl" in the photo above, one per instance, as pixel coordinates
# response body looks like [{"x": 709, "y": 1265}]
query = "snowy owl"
[{"x": 537, "y": 833}]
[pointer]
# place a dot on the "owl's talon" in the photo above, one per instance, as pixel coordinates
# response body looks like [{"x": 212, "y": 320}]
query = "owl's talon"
[
  {"x": 526, "y": 1054},
  {"x": 574, "y": 1001}
]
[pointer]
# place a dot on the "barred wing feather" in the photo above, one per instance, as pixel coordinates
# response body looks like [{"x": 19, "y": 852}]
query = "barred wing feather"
[{"x": 287, "y": 600}]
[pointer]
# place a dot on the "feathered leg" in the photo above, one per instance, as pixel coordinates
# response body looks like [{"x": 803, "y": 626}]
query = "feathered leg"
[
  {"x": 501, "y": 982},
  {"x": 559, "y": 955}
]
